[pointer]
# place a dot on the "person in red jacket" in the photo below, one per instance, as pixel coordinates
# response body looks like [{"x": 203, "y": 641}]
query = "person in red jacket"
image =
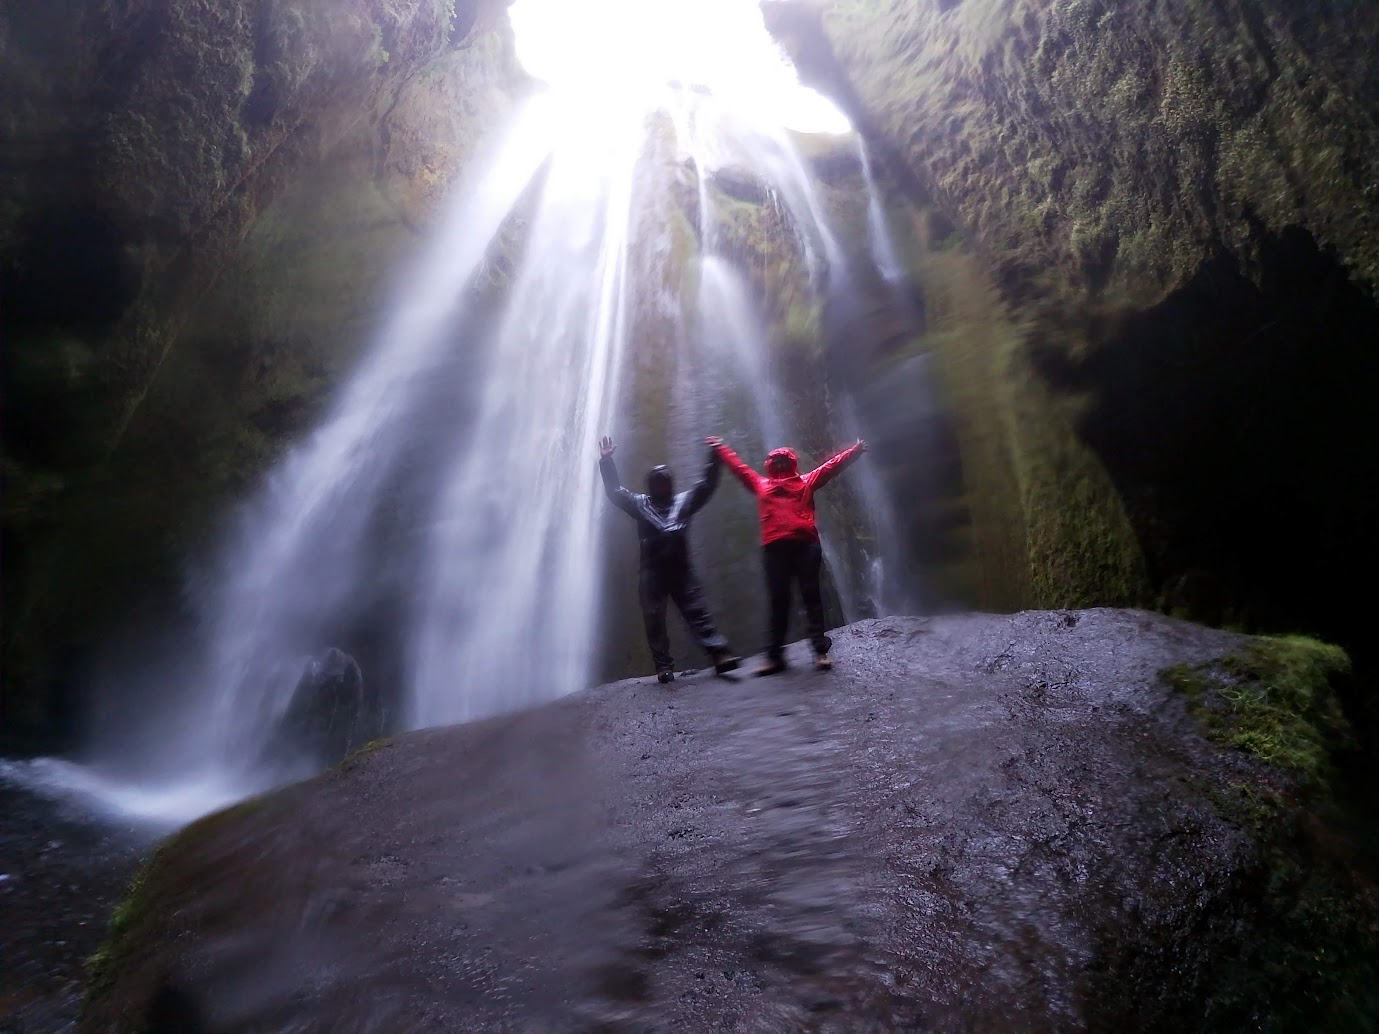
[{"x": 789, "y": 540}]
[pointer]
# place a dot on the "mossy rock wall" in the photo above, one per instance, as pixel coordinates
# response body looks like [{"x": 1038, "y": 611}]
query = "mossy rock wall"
[
  {"x": 151, "y": 137},
  {"x": 1046, "y": 524},
  {"x": 187, "y": 313},
  {"x": 1093, "y": 145},
  {"x": 999, "y": 504},
  {"x": 1165, "y": 215}
]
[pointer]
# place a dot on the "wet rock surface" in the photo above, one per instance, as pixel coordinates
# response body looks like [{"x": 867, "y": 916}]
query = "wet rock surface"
[
  {"x": 61, "y": 873},
  {"x": 333, "y": 711},
  {"x": 975, "y": 822}
]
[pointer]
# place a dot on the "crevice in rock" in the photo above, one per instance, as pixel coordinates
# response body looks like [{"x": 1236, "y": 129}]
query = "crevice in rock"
[
  {"x": 799, "y": 31},
  {"x": 1236, "y": 420}
]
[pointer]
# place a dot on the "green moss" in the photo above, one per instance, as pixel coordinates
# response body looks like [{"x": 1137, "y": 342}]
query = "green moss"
[
  {"x": 680, "y": 271},
  {"x": 102, "y": 967},
  {"x": 122, "y": 936},
  {"x": 1081, "y": 546},
  {"x": 354, "y": 757},
  {"x": 761, "y": 243},
  {"x": 953, "y": 241},
  {"x": 1113, "y": 118},
  {"x": 1048, "y": 527},
  {"x": 802, "y": 323},
  {"x": 1321, "y": 966},
  {"x": 1275, "y": 700},
  {"x": 1312, "y": 962}
]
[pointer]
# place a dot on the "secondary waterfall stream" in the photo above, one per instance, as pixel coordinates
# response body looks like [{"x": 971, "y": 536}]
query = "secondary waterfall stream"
[{"x": 452, "y": 483}]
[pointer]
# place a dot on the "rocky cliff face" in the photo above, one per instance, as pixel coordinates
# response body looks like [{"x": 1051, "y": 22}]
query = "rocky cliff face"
[
  {"x": 1152, "y": 230},
  {"x": 198, "y": 218},
  {"x": 1138, "y": 251},
  {"x": 1094, "y": 146}
]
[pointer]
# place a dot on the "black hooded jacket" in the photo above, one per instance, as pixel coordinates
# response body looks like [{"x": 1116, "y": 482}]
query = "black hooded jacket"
[{"x": 663, "y": 530}]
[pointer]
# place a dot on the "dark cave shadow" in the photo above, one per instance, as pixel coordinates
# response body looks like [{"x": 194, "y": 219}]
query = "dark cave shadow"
[{"x": 1237, "y": 420}]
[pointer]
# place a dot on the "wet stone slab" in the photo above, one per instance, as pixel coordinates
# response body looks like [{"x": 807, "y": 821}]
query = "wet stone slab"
[{"x": 975, "y": 822}]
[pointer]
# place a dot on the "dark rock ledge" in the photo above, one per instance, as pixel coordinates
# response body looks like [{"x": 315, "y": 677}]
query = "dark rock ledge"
[{"x": 977, "y": 822}]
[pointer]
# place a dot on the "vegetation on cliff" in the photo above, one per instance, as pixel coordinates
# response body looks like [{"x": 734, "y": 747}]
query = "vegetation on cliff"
[
  {"x": 175, "y": 311},
  {"x": 1093, "y": 145},
  {"x": 1168, "y": 210}
]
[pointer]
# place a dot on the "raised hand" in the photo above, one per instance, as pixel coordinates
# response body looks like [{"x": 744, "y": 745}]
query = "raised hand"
[
  {"x": 861, "y": 446},
  {"x": 713, "y": 441},
  {"x": 606, "y": 447}
]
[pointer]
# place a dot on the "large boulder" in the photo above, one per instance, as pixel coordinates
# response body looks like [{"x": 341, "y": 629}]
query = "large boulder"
[
  {"x": 1051, "y": 820},
  {"x": 332, "y": 712}
]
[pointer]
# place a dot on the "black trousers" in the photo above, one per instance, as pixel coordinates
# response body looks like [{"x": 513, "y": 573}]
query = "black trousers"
[
  {"x": 676, "y": 582},
  {"x": 790, "y": 560}
]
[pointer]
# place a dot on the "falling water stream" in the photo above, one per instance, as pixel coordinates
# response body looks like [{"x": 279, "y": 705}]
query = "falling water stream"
[
  {"x": 456, "y": 464},
  {"x": 884, "y": 252}
]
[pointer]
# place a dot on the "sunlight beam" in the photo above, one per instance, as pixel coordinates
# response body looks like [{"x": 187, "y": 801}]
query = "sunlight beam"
[{"x": 637, "y": 52}]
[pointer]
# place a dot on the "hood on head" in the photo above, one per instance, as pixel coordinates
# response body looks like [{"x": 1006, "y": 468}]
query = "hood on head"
[
  {"x": 659, "y": 483},
  {"x": 786, "y": 458}
]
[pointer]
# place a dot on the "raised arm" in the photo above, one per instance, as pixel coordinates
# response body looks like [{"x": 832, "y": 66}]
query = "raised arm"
[
  {"x": 612, "y": 484},
  {"x": 704, "y": 487},
  {"x": 834, "y": 465},
  {"x": 749, "y": 477}
]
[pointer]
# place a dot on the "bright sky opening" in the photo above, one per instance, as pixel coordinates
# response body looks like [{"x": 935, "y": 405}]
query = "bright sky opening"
[{"x": 632, "y": 51}]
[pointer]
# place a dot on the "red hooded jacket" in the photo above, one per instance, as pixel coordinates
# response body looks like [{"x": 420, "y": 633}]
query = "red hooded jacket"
[{"x": 786, "y": 502}]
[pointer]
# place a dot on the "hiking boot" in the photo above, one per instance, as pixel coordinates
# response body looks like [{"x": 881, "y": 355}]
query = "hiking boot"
[
  {"x": 665, "y": 676},
  {"x": 725, "y": 662},
  {"x": 823, "y": 662},
  {"x": 772, "y": 667}
]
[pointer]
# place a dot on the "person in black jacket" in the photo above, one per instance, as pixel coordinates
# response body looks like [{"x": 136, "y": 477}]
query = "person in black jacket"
[{"x": 663, "y": 527}]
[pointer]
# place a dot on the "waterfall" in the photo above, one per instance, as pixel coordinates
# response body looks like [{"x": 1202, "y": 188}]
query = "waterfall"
[
  {"x": 506, "y": 612},
  {"x": 720, "y": 136},
  {"x": 733, "y": 337},
  {"x": 887, "y": 593},
  {"x": 449, "y": 497},
  {"x": 731, "y": 329},
  {"x": 299, "y": 550},
  {"x": 883, "y": 249}
]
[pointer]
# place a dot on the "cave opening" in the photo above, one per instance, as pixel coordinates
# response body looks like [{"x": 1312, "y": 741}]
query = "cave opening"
[
  {"x": 629, "y": 52},
  {"x": 1236, "y": 418}
]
